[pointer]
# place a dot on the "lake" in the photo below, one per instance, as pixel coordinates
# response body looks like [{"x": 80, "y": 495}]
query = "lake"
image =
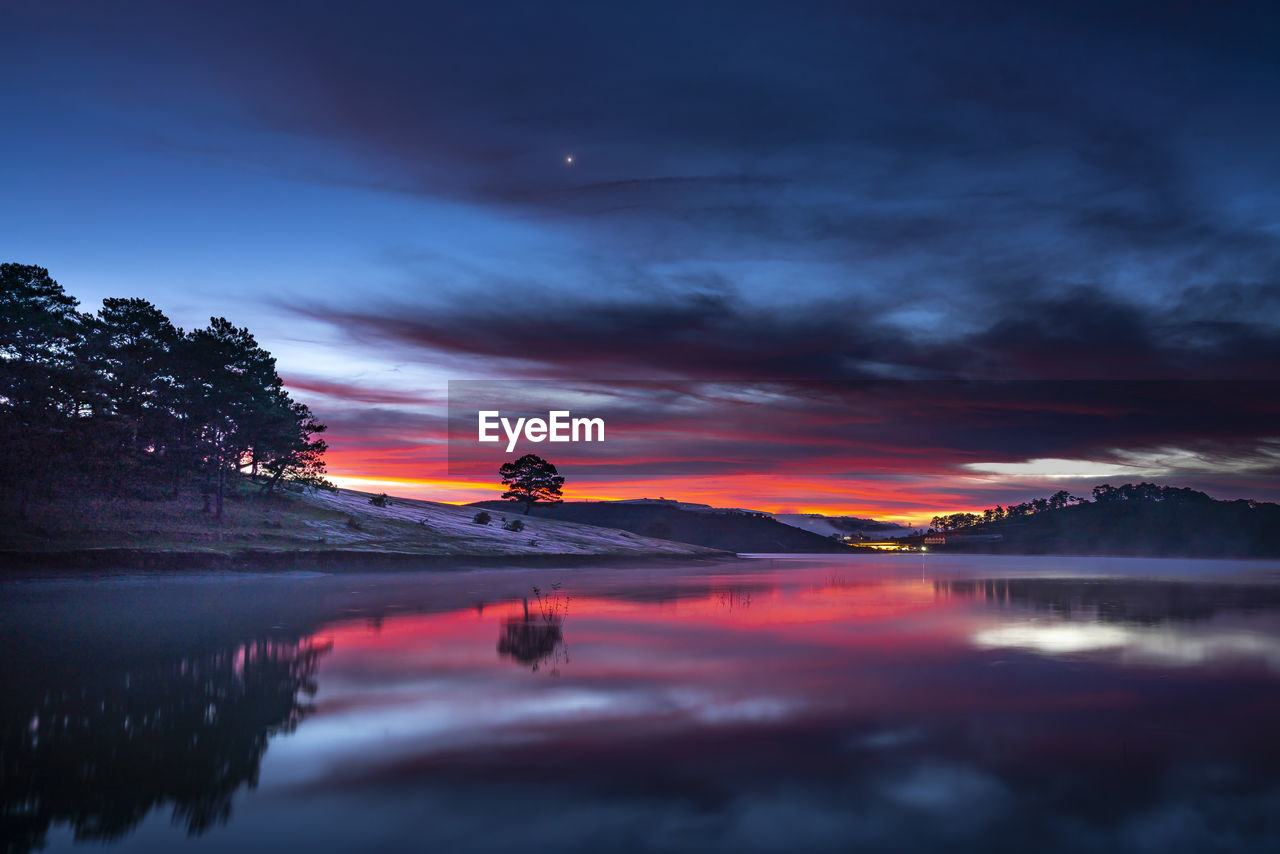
[{"x": 877, "y": 703}]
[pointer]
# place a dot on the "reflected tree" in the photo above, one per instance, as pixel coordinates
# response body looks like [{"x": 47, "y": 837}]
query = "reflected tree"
[
  {"x": 536, "y": 637},
  {"x": 1116, "y": 601},
  {"x": 102, "y": 752},
  {"x": 732, "y": 600}
]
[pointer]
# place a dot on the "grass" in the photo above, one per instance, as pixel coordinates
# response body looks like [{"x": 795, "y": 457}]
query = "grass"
[
  {"x": 342, "y": 521},
  {"x": 94, "y": 521}
]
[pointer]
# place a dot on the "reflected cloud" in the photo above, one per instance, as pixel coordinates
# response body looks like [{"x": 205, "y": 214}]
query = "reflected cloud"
[
  {"x": 1161, "y": 645},
  {"x": 1059, "y": 639}
]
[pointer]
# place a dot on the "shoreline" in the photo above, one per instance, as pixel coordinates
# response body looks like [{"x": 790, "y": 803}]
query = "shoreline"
[{"x": 349, "y": 560}]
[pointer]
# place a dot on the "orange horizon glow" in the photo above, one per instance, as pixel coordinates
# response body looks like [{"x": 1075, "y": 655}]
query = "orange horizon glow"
[
  {"x": 799, "y": 459},
  {"x": 770, "y": 495},
  {"x": 900, "y": 487},
  {"x": 910, "y": 502}
]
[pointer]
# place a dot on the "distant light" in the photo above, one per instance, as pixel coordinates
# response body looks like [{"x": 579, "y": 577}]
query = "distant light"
[{"x": 569, "y": 160}]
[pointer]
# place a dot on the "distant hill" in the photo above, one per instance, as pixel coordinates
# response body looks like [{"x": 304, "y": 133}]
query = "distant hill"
[
  {"x": 730, "y": 530},
  {"x": 1155, "y": 522},
  {"x": 841, "y": 525}
]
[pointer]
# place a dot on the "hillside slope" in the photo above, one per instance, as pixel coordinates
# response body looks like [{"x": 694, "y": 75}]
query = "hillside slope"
[
  {"x": 736, "y": 533},
  {"x": 342, "y": 521},
  {"x": 415, "y": 525},
  {"x": 828, "y": 526}
]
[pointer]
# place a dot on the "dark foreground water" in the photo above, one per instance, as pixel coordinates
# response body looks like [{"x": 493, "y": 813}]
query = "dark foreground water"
[{"x": 838, "y": 704}]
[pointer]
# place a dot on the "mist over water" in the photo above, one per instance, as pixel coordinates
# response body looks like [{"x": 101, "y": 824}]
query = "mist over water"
[{"x": 827, "y": 703}]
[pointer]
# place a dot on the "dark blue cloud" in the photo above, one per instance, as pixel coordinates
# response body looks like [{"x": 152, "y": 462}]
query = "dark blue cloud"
[
  {"x": 831, "y": 191},
  {"x": 955, "y": 150}
]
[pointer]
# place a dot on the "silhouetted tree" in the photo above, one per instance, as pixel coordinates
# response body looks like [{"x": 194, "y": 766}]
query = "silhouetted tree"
[
  {"x": 240, "y": 411},
  {"x": 531, "y": 479},
  {"x": 1061, "y": 499},
  {"x": 955, "y": 521},
  {"x": 44, "y": 389},
  {"x": 1148, "y": 492},
  {"x": 130, "y": 348},
  {"x": 290, "y": 453},
  {"x": 125, "y": 400}
]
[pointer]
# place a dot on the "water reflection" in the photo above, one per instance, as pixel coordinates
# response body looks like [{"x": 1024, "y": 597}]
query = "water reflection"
[
  {"x": 1154, "y": 622},
  {"x": 1116, "y": 599},
  {"x": 536, "y": 638},
  {"x": 806, "y": 708},
  {"x": 734, "y": 599},
  {"x": 98, "y": 750}
]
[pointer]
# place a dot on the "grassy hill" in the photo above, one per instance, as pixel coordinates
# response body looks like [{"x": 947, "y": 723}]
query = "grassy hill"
[
  {"x": 343, "y": 521},
  {"x": 729, "y": 532}
]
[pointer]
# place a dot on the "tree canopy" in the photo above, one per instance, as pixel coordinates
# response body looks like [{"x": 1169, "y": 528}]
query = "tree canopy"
[
  {"x": 956, "y": 521},
  {"x": 124, "y": 401},
  {"x": 531, "y": 479}
]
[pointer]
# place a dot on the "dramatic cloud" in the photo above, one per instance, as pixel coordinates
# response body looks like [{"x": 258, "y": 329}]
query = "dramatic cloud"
[
  {"x": 758, "y": 193},
  {"x": 354, "y": 392},
  {"x": 1082, "y": 334}
]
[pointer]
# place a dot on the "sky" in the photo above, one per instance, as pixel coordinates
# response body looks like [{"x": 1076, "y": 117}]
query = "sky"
[{"x": 735, "y": 215}]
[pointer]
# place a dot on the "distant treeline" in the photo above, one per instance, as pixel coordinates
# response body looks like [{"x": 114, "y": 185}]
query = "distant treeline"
[
  {"x": 1103, "y": 494},
  {"x": 1133, "y": 519},
  {"x": 955, "y": 521},
  {"x": 124, "y": 402}
]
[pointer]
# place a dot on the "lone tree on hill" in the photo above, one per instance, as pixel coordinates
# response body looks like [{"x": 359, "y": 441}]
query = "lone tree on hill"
[{"x": 531, "y": 479}]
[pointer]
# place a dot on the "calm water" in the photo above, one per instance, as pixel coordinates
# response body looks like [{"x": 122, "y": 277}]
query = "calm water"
[{"x": 821, "y": 704}]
